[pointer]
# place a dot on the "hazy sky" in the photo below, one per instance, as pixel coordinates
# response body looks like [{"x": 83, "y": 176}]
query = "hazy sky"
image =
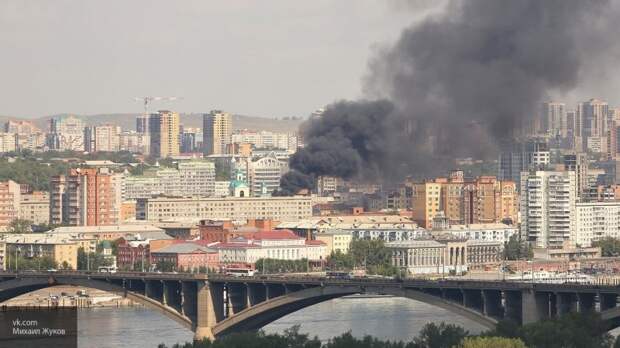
[{"x": 264, "y": 58}]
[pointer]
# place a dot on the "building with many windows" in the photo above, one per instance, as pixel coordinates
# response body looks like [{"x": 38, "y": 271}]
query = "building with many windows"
[
  {"x": 216, "y": 132},
  {"x": 164, "y": 132},
  {"x": 135, "y": 142},
  {"x": 86, "y": 197},
  {"x": 10, "y": 196},
  {"x": 190, "y": 178},
  {"x": 280, "y": 245},
  {"x": 548, "y": 207},
  {"x": 102, "y": 138},
  {"x": 197, "y": 208},
  {"x": 595, "y": 221},
  {"x": 35, "y": 245},
  {"x": 35, "y": 207},
  {"x": 66, "y": 133},
  {"x": 265, "y": 173}
]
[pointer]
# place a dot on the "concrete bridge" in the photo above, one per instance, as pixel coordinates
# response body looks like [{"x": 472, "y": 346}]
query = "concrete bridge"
[{"x": 218, "y": 305}]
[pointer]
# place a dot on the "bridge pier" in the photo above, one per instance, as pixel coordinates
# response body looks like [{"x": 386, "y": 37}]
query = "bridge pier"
[
  {"x": 586, "y": 302},
  {"x": 535, "y": 306},
  {"x": 206, "y": 317},
  {"x": 492, "y": 303}
]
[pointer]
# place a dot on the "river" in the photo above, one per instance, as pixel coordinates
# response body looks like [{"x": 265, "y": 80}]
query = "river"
[{"x": 388, "y": 318}]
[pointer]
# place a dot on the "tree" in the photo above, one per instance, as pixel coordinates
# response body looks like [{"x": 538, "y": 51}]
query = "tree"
[
  {"x": 91, "y": 261},
  {"x": 492, "y": 342},
  {"x": 281, "y": 266},
  {"x": 19, "y": 226},
  {"x": 165, "y": 266},
  {"x": 21, "y": 263},
  {"x": 440, "y": 336},
  {"x": 517, "y": 249},
  {"x": 609, "y": 246}
]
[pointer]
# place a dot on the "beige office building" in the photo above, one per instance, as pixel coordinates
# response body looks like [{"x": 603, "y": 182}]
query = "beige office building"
[
  {"x": 336, "y": 241},
  {"x": 197, "y": 208},
  {"x": 35, "y": 245},
  {"x": 35, "y": 207}
]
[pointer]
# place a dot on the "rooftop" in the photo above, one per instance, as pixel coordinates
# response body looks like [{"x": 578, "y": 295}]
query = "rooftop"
[
  {"x": 184, "y": 248},
  {"x": 35, "y": 238}
]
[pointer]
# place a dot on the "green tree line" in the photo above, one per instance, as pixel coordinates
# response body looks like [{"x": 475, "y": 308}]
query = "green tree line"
[
  {"x": 282, "y": 266},
  {"x": 372, "y": 255},
  {"x": 576, "y": 330}
]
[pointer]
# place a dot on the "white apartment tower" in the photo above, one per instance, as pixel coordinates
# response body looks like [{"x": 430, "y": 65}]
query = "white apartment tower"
[
  {"x": 548, "y": 208},
  {"x": 217, "y": 132}
]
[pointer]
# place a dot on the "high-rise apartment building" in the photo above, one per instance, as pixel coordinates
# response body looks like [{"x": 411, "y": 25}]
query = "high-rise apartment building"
[
  {"x": 86, "y": 197},
  {"x": 102, "y": 138},
  {"x": 578, "y": 163},
  {"x": 479, "y": 201},
  {"x": 216, "y": 132},
  {"x": 488, "y": 200},
  {"x": 553, "y": 120},
  {"x": 135, "y": 142},
  {"x": 426, "y": 202},
  {"x": 26, "y": 135},
  {"x": 594, "y": 117},
  {"x": 10, "y": 196},
  {"x": 265, "y": 173},
  {"x": 66, "y": 133},
  {"x": 265, "y": 139},
  {"x": 7, "y": 142},
  {"x": 142, "y": 123},
  {"x": 164, "y": 129},
  {"x": 529, "y": 155},
  {"x": 548, "y": 207}
]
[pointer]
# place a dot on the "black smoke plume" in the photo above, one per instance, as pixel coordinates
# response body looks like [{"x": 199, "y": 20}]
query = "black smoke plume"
[{"x": 456, "y": 84}]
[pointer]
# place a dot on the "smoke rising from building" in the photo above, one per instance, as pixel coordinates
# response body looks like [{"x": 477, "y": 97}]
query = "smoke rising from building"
[{"x": 457, "y": 84}]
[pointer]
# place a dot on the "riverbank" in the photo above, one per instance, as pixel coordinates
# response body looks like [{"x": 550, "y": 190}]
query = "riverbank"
[{"x": 70, "y": 296}]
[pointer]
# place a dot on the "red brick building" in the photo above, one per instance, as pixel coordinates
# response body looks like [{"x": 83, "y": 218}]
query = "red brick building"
[
  {"x": 187, "y": 256},
  {"x": 133, "y": 255}
]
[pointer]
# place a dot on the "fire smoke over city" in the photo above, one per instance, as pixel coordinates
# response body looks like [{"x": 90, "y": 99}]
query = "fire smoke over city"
[{"x": 455, "y": 84}]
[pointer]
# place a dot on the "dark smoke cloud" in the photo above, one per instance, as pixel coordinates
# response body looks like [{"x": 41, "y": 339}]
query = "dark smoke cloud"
[{"x": 458, "y": 84}]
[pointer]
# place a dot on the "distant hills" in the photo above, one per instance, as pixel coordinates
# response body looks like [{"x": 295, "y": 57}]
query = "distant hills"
[{"x": 127, "y": 121}]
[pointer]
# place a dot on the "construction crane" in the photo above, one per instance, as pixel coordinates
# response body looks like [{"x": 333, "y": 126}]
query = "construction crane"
[{"x": 148, "y": 100}]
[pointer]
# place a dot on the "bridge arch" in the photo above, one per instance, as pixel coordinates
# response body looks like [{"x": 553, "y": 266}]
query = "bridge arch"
[
  {"x": 19, "y": 286},
  {"x": 261, "y": 314}
]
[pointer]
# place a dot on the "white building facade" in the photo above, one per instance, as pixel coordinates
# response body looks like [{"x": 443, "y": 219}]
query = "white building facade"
[
  {"x": 547, "y": 208},
  {"x": 595, "y": 221}
]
